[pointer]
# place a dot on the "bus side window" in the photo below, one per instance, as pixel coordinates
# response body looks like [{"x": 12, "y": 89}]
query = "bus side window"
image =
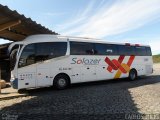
[
  {"x": 105, "y": 49},
  {"x": 42, "y": 52},
  {"x": 126, "y": 50},
  {"x": 121, "y": 49},
  {"x": 57, "y": 49},
  {"x": 81, "y": 48},
  {"x": 49, "y": 50},
  {"x": 141, "y": 51}
]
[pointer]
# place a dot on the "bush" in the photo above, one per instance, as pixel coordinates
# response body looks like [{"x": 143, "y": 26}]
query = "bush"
[{"x": 156, "y": 58}]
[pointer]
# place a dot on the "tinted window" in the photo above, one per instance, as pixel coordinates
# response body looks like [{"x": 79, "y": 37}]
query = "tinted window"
[
  {"x": 149, "y": 53},
  {"x": 27, "y": 56},
  {"x": 42, "y": 51},
  {"x": 105, "y": 49},
  {"x": 81, "y": 48},
  {"x": 126, "y": 50},
  {"x": 140, "y": 50},
  {"x": 45, "y": 51},
  {"x": 37, "y": 52}
]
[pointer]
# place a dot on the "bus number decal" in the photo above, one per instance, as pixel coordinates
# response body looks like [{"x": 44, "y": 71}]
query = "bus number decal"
[{"x": 119, "y": 66}]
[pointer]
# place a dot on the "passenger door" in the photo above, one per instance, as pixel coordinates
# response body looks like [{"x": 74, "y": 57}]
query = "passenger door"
[{"x": 27, "y": 67}]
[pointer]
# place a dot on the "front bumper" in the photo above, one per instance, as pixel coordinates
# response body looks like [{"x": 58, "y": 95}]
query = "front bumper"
[{"x": 14, "y": 83}]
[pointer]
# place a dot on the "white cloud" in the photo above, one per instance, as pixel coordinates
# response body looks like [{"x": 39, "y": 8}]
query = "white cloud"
[
  {"x": 78, "y": 18},
  {"x": 116, "y": 18}
]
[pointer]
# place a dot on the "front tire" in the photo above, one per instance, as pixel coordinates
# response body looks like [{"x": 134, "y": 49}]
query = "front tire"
[
  {"x": 133, "y": 74},
  {"x": 61, "y": 82}
]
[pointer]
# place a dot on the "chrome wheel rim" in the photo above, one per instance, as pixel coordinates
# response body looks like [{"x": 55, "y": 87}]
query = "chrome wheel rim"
[{"x": 62, "y": 82}]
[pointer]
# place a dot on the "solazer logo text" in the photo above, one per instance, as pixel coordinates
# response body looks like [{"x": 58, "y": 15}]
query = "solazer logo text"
[{"x": 85, "y": 61}]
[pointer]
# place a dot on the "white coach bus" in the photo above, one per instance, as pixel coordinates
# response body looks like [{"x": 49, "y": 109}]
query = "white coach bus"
[{"x": 46, "y": 60}]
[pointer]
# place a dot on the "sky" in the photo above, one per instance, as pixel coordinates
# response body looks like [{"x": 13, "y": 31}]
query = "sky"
[{"x": 131, "y": 21}]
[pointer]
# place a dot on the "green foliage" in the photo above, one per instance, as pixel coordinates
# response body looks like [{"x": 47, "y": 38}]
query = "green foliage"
[{"x": 156, "y": 58}]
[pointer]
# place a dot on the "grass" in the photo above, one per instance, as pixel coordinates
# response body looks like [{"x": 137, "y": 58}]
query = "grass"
[{"x": 156, "y": 58}]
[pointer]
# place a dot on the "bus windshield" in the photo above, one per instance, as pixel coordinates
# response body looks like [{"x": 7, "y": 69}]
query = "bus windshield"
[{"x": 13, "y": 56}]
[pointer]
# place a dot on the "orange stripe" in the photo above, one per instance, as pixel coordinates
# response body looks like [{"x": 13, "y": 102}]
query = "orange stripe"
[
  {"x": 125, "y": 66},
  {"x": 130, "y": 60}
]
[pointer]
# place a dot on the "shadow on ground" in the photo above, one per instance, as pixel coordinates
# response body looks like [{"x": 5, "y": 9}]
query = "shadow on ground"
[{"x": 96, "y": 100}]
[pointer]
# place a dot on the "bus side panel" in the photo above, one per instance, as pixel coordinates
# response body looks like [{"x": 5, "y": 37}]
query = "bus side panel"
[
  {"x": 104, "y": 70},
  {"x": 143, "y": 65},
  {"x": 27, "y": 76},
  {"x": 61, "y": 65},
  {"x": 76, "y": 67},
  {"x": 149, "y": 65},
  {"x": 82, "y": 68}
]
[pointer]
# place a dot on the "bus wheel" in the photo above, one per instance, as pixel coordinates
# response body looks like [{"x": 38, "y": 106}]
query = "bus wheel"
[
  {"x": 61, "y": 82},
  {"x": 132, "y": 74}
]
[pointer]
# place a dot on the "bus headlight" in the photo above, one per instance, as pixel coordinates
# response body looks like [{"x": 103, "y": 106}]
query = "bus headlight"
[{"x": 12, "y": 77}]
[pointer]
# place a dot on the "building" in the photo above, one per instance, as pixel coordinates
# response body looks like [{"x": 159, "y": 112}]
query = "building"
[{"x": 15, "y": 27}]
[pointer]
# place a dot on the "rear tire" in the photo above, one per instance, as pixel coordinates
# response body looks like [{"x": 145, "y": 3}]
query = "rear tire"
[
  {"x": 61, "y": 82},
  {"x": 132, "y": 74}
]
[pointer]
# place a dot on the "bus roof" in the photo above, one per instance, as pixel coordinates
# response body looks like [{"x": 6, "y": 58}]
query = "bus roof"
[{"x": 59, "y": 38}]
